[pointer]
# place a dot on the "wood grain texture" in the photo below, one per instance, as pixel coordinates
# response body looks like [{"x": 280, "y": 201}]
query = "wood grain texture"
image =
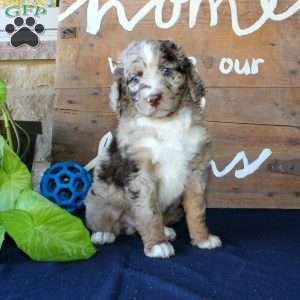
[
  {"x": 89, "y": 99},
  {"x": 229, "y": 139},
  {"x": 76, "y": 134},
  {"x": 277, "y": 106},
  {"x": 76, "y": 69},
  {"x": 45, "y": 50},
  {"x": 253, "y": 200}
]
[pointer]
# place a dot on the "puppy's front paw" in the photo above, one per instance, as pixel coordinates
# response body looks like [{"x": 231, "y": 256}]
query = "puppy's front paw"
[
  {"x": 212, "y": 242},
  {"x": 162, "y": 250},
  {"x": 102, "y": 238},
  {"x": 170, "y": 233}
]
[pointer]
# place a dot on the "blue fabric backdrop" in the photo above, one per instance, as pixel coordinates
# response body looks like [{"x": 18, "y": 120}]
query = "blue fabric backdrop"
[{"x": 260, "y": 260}]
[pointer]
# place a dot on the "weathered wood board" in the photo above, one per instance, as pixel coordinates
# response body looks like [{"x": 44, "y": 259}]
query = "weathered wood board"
[{"x": 251, "y": 70}]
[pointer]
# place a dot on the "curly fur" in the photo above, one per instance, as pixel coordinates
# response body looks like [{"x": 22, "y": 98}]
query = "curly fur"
[{"x": 158, "y": 160}]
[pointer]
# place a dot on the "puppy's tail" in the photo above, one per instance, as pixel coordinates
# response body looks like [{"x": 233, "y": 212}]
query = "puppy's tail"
[{"x": 173, "y": 216}]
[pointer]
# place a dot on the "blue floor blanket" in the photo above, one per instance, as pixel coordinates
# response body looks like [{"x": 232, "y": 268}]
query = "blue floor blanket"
[{"x": 260, "y": 259}]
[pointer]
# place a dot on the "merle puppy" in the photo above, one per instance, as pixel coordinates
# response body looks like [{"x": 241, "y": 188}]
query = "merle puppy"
[{"x": 155, "y": 169}]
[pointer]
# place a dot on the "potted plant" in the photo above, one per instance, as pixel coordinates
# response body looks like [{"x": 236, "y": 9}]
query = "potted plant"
[
  {"x": 44, "y": 231},
  {"x": 20, "y": 135}
]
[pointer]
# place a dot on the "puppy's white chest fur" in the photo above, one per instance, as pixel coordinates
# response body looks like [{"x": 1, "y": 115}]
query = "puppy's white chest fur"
[{"x": 173, "y": 145}]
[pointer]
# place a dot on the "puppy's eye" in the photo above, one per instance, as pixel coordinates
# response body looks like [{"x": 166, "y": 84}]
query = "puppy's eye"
[
  {"x": 166, "y": 71},
  {"x": 135, "y": 78}
]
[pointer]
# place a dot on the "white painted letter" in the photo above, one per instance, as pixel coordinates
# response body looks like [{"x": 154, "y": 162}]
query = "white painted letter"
[
  {"x": 194, "y": 9},
  {"x": 255, "y": 63},
  {"x": 285, "y": 15},
  {"x": 213, "y": 6},
  {"x": 95, "y": 16},
  {"x": 242, "y": 71},
  {"x": 112, "y": 66},
  {"x": 175, "y": 13},
  {"x": 255, "y": 165},
  {"x": 247, "y": 170},
  {"x": 193, "y": 60},
  {"x": 235, "y": 22},
  {"x": 71, "y": 9},
  {"x": 226, "y": 70}
]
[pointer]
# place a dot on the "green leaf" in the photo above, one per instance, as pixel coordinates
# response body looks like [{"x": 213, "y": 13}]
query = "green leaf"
[
  {"x": 2, "y": 145},
  {"x": 46, "y": 232},
  {"x": 3, "y": 92},
  {"x": 2, "y": 233},
  {"x": 14, "y": 176},
  {"x": 31, "y": 201}
]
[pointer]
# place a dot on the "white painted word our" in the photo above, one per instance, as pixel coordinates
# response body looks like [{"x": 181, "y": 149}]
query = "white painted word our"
[
  {"x": 248, "y": 168},
  {"x": 229, "y": 65},
  {"x": 96, "y": 13}
]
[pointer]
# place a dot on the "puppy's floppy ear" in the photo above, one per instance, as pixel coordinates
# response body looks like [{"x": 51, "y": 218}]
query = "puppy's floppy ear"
[
  {"x": 171, "y": 52},
  {"x": 195, "y": 83},
  {"x": 116, "y": 90}
]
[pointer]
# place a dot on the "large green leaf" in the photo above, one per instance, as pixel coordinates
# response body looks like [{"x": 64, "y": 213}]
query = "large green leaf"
[
  {"x": 46, "y": 232},
  {"x": 14, "y": 177},
  {"x": 3, "y": 91},
  {"x": 2, "y": 232}
]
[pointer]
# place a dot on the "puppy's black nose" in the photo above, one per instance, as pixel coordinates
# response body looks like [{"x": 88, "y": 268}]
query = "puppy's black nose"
[{"x": 154, "y": 99}]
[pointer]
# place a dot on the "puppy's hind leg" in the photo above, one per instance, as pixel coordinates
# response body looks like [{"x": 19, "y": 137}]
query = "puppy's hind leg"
[{"x": 102, "y": 218}]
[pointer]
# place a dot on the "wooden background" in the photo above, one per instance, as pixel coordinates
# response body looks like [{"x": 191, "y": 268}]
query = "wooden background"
[{"x": 244, "y": 113}]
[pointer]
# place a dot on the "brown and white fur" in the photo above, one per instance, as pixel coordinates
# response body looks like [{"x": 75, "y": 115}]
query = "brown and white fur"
[{"x": 157, "y": 162}]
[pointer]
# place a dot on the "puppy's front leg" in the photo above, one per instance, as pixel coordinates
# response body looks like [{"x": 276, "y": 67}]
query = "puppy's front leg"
[
  {"x": 149, "y": 221},
  {"x": 195, "y": 210},
  {"x": 151, "y": 229}
]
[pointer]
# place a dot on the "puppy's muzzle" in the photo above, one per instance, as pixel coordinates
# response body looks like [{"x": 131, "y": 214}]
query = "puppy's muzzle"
[{"x": 154, "y": 99}]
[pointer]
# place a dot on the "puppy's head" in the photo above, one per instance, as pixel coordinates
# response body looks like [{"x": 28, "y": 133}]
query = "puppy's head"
[{"x": 153, "y": 78}]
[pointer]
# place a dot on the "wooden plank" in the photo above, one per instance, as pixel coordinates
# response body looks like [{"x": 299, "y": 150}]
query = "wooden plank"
[
  {"x": 229, "y": 139},
  {"x": 281, "y": 55},
  {"x": 276, "y": 106},
  {"x": 45, "y": 50},
  {"x": 254, "y": 200},
  {"x": 89, "y": 99},
  {"x": 82, "y": 61},
  {"x": 280, "y": 106},
  {"x": 76, "y": 134},
  {"x": 79, "y": 143}
]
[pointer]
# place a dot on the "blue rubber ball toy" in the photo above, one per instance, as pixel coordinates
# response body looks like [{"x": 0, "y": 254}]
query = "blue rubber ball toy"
[{"x": 66, "y": 184}]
